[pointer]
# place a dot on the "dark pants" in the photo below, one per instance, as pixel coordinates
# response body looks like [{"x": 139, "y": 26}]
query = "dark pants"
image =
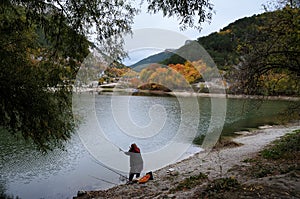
[{"x": 131, "y": 175}]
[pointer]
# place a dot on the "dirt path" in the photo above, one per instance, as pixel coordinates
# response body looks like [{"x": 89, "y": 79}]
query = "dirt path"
[{"x": 215, "y": 164}]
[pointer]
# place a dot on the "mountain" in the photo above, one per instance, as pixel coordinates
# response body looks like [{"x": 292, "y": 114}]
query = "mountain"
[{"x": 157, "y": 58}]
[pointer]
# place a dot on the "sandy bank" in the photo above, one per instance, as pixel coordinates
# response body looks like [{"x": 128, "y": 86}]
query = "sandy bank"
[{"x": 216, "y": 163}]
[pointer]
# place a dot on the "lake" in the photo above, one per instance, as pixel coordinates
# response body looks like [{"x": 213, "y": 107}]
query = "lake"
[{"x": 163, "y": 127}]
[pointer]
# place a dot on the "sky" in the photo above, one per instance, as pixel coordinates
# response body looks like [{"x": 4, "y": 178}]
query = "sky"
[{"x": 226, "y": 12}]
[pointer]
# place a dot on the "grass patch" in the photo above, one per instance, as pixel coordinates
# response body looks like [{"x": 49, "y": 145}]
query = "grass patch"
[
  {"x": 219, "y": 186},
  {"x": 190, "y": 182},
  {"x": 283, "y": 148},
  {"x": 281, "y": 157}
]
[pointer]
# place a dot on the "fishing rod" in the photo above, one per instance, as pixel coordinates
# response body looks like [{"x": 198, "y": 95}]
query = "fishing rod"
[
  {"x": 103, "y": 165},
  {"x": 103, "y": 180}
]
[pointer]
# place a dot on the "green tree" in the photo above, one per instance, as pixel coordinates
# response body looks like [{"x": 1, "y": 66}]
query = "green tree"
[
  {"x": 274, "y": 48},
  {"x": 42, "y": 44},
  {"x": 34, "y": 86}
]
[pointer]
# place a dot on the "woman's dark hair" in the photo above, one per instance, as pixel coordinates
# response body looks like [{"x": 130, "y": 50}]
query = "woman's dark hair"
[{"x": 134, "y": 148}]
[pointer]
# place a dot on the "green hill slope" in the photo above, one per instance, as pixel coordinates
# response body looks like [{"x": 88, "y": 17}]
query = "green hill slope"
[{"x": 223, "y": 46}]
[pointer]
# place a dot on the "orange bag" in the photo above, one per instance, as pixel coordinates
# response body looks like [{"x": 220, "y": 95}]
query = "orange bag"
[{"x": 144, "y": 179}]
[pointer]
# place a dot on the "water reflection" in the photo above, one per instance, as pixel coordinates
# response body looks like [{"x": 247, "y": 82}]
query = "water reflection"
[{"x": 139, "y": 114}]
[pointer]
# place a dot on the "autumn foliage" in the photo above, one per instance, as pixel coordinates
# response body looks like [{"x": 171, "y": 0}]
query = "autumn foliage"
[{"x": 174, "y": 76}]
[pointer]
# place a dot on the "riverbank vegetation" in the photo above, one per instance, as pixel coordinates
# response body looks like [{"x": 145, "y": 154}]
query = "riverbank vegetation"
[
  {"x": 268, "y": 174},
  {"x": 279, "y": 160}
]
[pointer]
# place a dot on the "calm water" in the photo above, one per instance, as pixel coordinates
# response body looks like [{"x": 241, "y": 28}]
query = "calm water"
[{"x": 152, "y": 122}]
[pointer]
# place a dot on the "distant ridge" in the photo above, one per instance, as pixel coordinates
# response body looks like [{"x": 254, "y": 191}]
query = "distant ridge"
[{"x": 157, "y": 58}]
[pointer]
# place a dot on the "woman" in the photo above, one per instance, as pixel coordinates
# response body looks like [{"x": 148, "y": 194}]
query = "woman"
[{"x": 136, "y": 161}]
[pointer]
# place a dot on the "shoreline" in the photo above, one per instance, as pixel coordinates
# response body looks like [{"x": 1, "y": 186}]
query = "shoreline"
[
  {"x": 134, "y": 92},
  {"x": 215, "y": 163}
]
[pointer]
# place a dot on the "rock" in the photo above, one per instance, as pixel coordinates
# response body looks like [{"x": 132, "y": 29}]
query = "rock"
[
  {"x": 171, "y": 170},
  {"x": 81, "y": 193},
  {"x": 171, "y": 196},
  {"x": 265, "y": 127},
  {"x": 242, "y": 133}
]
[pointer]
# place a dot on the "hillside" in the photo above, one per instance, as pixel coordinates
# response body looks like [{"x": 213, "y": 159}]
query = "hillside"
[{"x": 221, "y": 46}]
